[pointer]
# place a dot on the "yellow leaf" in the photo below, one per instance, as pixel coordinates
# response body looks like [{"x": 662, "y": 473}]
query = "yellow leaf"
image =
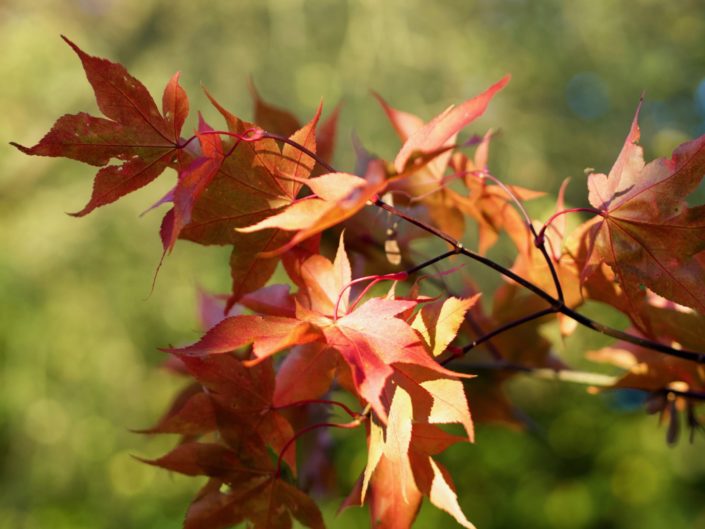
[{"x": 438, "y": 323}]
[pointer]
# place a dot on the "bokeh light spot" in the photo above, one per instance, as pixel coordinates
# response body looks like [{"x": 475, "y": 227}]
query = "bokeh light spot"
[
  {"x": 700, "y": 97},
  {"x": 587, "y": 95},
  {"x": 314, "y": 80},
  {"x": 128, "y": 476},
  {"x": 569, "y": 506},
  {"x": 635, "y": 480},
  {"x": 666, "y": 140},
  {"x": 573, "y": 434},
  {"x": 93, "y": 438},
  {"x": 46, "y": 422}
]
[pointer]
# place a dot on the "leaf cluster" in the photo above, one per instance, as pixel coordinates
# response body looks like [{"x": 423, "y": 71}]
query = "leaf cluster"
[{"x": 275, "y": 359}]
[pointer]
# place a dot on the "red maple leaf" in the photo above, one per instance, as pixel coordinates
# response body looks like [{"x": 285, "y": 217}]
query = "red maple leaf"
[
  {"x": 252, "y": 181},
  {"x": 238, "y": 490},
  {"x": 372, "y": 339},
  {"x": 145, "y": 140},
  {"x": 647, "y": 233}
]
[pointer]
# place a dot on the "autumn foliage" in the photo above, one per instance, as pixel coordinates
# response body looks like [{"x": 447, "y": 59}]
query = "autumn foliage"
[{"x": 367, "y": 317}]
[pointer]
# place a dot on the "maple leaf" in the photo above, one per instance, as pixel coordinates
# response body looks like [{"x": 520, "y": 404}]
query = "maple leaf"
[
  {"x": 268, "y": 334},
  {"x": 192, "y": 181},
  {"x": 276, "y": 329},
  {"x": 647, "y": 233},
  {"x": 272, "y": 118},
  {"x": 489, "y": 205},
  {"x": 253, "y": 182},
  {"x": 443, "y": 127},
  {"x": 371, "y": 339},
  {"x": 191, "y": 415},
  {"x": 238, "y": 491},
  {"x": 246, "y": 406},
  {"x": 374, "y": 342},
  {"x": 237, "y": 394},
  {"x": 440, "y": 321},
  {"x": 238, "y": 402},
  {"x": 145, "y": 140},
  {"x": 336, "y": 197},
  {"x": 400, "y": 468},
  {"x": 306, "y": 373},
  {"x": 666, "y": 322}
]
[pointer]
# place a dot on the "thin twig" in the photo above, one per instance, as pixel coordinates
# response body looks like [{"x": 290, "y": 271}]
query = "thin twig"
[
  {"x": 538, "y": 242},
  {"x": 499, "y": 330},
  {"x": 556, "y": 304}
]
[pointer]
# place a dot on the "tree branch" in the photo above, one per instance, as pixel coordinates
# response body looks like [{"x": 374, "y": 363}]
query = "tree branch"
[{"x": 556, "y": 304}]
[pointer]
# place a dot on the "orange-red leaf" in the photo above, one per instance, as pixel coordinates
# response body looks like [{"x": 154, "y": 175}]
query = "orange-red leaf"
[
  {"x": 255, "y": 181},
  {"x": 269, "y": 334},
  {"x": 145, "y": 140},
  {"x": 208, "y": 459},
  {"x": 306, "y": 373},
  {"x": 242, "y": 401},
  {"x": 647, "y": 233},
  {"x": 434, "y": 135},
  {"x": 395, "y": 451},
  {"x": 190, "y": 415},
  {"x": 338, "y": 196},
  {"x": 272, "y": 118},
  {"x": 372, "y": 339},
  {"x": 322, "y": 282}
]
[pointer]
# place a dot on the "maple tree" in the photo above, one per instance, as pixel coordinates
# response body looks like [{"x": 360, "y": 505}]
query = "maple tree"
[{"x": 274, "y": 358}]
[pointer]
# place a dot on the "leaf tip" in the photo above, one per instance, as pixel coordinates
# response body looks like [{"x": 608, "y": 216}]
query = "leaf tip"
[
  {"x": 75, "y": 48},
  {"x": 252, "y": 88},
  {"x": 319, "y": 111},
  {"x": 144, "y": 460},
  {"x": 499, "y": 85},
  {"x": 83, "y": 212},
  {"x": 26, "y": 150},
  {"x": 171, "y": 350}
]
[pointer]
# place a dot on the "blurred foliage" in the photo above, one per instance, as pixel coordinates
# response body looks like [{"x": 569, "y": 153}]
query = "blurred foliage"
[{"x": 79, "y": 328}]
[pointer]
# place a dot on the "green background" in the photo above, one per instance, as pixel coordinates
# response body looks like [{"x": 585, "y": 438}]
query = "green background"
[{"x": 79, "y": 328}]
